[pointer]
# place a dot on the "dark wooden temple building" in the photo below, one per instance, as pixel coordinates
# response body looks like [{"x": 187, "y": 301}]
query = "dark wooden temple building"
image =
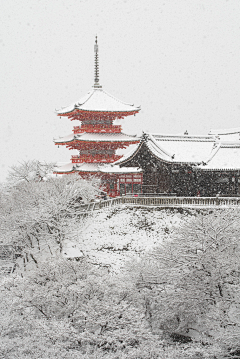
[{"x": 186, "y": 165}]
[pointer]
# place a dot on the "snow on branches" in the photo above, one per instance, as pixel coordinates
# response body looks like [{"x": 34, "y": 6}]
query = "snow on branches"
[
  {"x": 30, "y": 171},
  {"x": 192, "y": 282},
  {"x": 38, "y": 216}
]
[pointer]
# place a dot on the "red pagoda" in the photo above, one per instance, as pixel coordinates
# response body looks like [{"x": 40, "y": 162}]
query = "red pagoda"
[{"x": 97, "y": 139}]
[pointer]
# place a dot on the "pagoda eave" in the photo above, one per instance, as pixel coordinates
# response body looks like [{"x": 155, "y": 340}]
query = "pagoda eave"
[
  {"x": 76, "y": 144},
  {"x": 64, "y": 173},
  {"x": 67, "y": 144},
  {"x": 82, "y": 115}
]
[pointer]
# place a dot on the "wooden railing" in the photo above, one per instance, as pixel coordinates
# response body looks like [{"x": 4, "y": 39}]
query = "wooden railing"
[
  {"x": 187, "y": 202},
  {"x": 95, "y": 158},
  {"x": 98, "y": 128},
  {"x": 183, "y": 201}
]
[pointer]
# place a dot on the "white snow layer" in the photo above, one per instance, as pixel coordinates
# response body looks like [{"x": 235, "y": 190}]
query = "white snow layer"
[
  {"x": 99, "y": 100},
  {"x": 112, "y": 237}
]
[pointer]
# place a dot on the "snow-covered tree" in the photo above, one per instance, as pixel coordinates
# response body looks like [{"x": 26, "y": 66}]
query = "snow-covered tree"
[
  {"x": 74, "y": 306},
  {"x": 39, "y": 216},
  {"x": 30, "y": 171},
  {"x": 191, "y": 283},
  {"x": 68, "y": 309},
  {"x": 74, "y": 310}
]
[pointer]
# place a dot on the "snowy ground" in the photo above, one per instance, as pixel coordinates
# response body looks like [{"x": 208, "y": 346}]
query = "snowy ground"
[{"x": 113, "y": 236}]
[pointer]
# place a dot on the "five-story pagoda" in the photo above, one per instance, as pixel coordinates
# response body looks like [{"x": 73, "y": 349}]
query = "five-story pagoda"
[{"x": 97, "y": 138}]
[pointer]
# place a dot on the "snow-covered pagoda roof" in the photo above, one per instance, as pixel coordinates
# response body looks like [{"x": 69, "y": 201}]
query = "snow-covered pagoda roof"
[
  {"x": 95, "y": 167},
  {"x": 118, "y": 170},
  {"x": 226, "y": 156},
  {"x": 97, "y": 103},
  {"x": 87, "y": 167},
  {"x": 64, "y": 168},
  {"x": 97, "y": 137},
  {"x": 65, "y": 139},
  {"x": 98, "y": 100},
  {"x": 106, "y": 137}
]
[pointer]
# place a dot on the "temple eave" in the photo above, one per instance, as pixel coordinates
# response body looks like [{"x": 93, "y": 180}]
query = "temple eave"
[
  {"x": 85, "y": 114},
  {"x": 77, "y": 143}
]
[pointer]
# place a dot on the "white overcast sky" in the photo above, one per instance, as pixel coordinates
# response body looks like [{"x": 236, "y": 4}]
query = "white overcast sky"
[{"x": 178, "y": 59}]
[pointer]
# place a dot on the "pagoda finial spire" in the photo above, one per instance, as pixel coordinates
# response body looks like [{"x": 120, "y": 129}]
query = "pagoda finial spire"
[{"x": 96, "y": 72}]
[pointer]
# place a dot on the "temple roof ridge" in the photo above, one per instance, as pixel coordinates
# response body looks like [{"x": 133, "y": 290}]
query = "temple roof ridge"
[
  {"x": 215, "y": 149},
  {"x": 128, "y": 154},
  {"x": 228, "y": 131},
  {"x": 175, "y": 151},
  {"x": 152, "y": 145},
  {"x": 158, "y": 148},
  {"x": 86, "y": 97},
  {"x": 182, "y": 137}
]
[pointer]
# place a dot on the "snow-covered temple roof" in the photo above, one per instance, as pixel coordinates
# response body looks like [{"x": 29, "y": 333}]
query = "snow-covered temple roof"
[
  {"x": 191, "y": 149},
  {"x": 157, "y": 149},
  {"x": 225, "y": 131},
  {"x": 98, "y": 100},
  {"x": 210, "y": 153},
  {"x": 128, "y": 153},
  {"x": 230, "y": 134},
  {"x": 226, "y": 156},
  {"x": 175, "y": 149}
]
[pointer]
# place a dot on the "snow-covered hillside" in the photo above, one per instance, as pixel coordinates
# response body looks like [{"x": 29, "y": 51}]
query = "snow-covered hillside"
[{"x": 114, "y": 235}]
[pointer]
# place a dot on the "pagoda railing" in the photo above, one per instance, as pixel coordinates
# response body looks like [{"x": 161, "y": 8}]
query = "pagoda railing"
[
  {"x": 97, "y": 128},
  {"x": 96, "y": 158},
  {"x": 184, "y": 202}
]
